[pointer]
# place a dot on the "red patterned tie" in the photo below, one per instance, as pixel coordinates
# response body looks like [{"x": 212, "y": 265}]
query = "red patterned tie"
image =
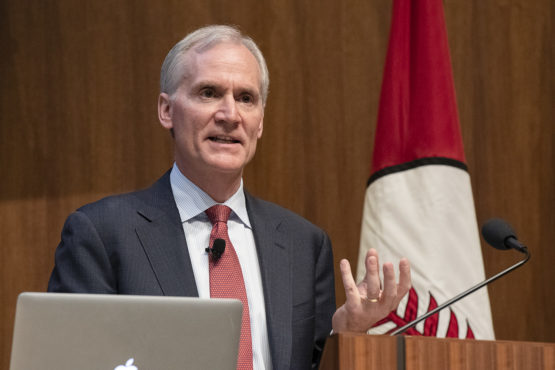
[{"x": 226, "y": 279}]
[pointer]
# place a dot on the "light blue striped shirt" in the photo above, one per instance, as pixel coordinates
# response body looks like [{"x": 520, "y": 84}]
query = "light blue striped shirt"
[{"x": 192, "y": 202}]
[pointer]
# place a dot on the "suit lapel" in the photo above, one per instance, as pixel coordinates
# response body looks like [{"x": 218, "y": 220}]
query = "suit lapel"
[
  {"x": 275, "y": 267},
  {"x": 163, "y": 240}
]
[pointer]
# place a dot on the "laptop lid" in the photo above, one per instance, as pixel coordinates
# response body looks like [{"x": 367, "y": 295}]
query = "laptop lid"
[{"x": 93, "y": 331}]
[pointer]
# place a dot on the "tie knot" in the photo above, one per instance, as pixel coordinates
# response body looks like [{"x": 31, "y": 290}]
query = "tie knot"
[{"x": 218, "y": 213}]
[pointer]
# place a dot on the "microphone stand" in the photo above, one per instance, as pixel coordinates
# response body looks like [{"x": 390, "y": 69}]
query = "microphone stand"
[{"x": 464, "y": 294}]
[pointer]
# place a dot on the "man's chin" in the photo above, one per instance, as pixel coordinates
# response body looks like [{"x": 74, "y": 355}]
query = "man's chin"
[
  {"x": 228, "y": 164},
  {"x": 227, "y": 168}
]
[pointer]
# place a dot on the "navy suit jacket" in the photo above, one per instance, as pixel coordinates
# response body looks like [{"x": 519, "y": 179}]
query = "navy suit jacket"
[{"x": 134, "y": 244}]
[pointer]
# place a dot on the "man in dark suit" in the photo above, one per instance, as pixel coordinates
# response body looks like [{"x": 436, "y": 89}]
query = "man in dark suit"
[{"x": 214, "y": 85}]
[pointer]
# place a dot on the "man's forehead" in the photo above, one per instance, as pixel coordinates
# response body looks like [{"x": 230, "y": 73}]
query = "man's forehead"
[
  {"x": 223, "y": 49},
  {"x": 228, "y": 56}
]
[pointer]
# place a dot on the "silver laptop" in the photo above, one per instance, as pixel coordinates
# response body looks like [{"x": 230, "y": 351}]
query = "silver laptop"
[{"x": 92, "y": 331}]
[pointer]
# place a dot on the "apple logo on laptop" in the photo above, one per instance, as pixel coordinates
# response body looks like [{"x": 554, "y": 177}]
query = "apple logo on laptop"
[{"x": 128, "y": 365}]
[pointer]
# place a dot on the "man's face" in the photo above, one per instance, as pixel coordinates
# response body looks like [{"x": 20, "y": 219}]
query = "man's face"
[{"x": 216, "y": 113}]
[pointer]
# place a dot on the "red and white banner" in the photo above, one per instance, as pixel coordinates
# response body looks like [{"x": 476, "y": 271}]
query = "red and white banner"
[{"x": 419, "y": 200}]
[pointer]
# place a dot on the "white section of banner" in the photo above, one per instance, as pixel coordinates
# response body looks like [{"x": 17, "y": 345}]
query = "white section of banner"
[{"x": 427, "y": 215}]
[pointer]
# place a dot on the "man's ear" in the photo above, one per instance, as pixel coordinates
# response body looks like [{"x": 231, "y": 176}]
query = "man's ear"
[
  {"x": 164, "y": 111},
  {"x": 260, "y": 127}
]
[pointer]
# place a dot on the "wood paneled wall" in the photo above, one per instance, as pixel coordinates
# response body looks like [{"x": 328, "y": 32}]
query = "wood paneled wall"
[{"x": 79, "y": 84}]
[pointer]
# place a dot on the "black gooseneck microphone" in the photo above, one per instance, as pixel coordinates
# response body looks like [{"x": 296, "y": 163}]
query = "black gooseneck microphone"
[
  {"x": 499, "y": 234},
  {"x": 218, "y": 248}
]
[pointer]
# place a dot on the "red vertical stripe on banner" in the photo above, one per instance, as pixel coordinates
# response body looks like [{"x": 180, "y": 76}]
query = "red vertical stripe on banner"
[{"x": 418, "y": 115}]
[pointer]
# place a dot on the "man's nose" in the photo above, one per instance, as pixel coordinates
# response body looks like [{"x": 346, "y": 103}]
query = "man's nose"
[{"x": 227, "y": 110}]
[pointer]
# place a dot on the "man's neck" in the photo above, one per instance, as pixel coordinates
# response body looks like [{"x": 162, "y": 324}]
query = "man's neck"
[{"x": 219, "y": 186}]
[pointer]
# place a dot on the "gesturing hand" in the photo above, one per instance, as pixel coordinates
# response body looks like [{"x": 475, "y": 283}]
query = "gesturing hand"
[{"x": 366, "y": 303}]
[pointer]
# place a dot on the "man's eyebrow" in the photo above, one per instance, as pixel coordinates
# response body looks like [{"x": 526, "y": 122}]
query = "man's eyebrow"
[
  {"x": 204, "y": 83},
  {"x": 252, "y": 90},
  {"x": 249, "y": 90}
]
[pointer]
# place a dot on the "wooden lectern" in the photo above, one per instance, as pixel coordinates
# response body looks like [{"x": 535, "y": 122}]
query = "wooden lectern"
[{"x": 353, "y": 351}]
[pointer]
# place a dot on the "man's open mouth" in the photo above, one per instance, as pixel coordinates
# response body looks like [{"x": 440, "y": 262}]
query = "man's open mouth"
[{"x": 223, "y": 140}]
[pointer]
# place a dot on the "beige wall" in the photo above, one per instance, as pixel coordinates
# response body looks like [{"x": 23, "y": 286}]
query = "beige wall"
[{"x": 78, "y": 121}]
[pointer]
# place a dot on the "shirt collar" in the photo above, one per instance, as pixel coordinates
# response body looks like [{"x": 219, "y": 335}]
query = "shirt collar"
[{"x": 192, "y": 201}]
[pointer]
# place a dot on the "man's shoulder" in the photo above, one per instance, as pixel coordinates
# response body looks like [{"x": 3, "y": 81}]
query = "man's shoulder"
[
  {"x": 115, "y": 202},
  {"x": 118, "y": 205}
]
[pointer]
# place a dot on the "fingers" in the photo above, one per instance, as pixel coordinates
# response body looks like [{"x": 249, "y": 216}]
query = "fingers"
[
  {"x": 392, "y": 292},
  {"x": 372, "y": 276},
  {"x": 351, "y": 291},
  {"x": 390, "y": 285},
  {"x": 404, "y": 277},
  {"x": 359, "y": 314},
  {"x": 371, "y": 286},
  {"x": 372, "y": 252}
]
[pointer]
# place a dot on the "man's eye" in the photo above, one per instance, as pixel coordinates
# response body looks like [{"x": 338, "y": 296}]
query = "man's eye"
[
  {"x": 246, "y": 98},
  {"x": 207, "y": 93}
]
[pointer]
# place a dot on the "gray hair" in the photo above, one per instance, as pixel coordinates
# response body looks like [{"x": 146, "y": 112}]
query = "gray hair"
[{"x": 201, "y": 40}]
